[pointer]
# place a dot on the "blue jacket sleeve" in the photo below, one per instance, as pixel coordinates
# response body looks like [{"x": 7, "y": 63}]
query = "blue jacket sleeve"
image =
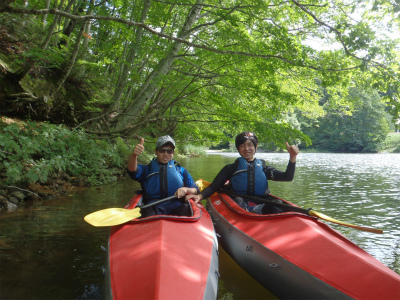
[
  {"x": 188, "y": 180},
  {"x": 140, "y": 174}
]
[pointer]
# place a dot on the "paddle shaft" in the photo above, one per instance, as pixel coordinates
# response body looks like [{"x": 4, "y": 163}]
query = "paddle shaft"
[
  {"x": 158, "y": 202},
  {"x": 266, "y": 201}
]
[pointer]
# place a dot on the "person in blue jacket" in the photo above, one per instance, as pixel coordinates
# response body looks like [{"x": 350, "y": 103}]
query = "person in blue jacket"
[
  {"x": 162, "y": 178},
  {"x": 249, "y": 175}
]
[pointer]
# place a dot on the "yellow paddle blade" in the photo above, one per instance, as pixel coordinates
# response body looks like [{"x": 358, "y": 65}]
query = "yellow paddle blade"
[
  {"x": 330, "y": 219},
  {"x": 112, "y": 216},
  {"x": 202, "y": 184}
]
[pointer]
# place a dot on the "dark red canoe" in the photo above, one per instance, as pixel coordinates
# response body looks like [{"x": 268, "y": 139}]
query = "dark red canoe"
[
  {"x": 298, "y": 257},
  {"x": 163, "y": 257}
]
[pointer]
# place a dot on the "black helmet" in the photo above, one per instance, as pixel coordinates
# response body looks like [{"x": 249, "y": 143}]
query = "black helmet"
[{"x": 242, "y": 137}]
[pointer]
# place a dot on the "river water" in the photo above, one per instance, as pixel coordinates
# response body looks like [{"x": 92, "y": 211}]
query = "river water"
[{"x": 47, "y": 251}]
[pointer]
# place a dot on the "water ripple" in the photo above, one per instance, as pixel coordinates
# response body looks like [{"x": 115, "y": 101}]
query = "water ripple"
[{"x": 362, "y": 189}]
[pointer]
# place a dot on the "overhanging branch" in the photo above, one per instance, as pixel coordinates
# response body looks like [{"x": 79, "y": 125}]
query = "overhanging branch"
[{"x": 172, "y": 38}]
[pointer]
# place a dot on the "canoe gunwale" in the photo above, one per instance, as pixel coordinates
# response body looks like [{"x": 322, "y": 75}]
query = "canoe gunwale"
[
  {"x": 237, "y": 209},
  {"x": 197, "y": 213}
]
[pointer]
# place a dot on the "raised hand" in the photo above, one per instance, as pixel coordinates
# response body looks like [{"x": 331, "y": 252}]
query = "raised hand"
[
  {"x": 139, "y": 148},
  {"x": 293, "y": 151}
]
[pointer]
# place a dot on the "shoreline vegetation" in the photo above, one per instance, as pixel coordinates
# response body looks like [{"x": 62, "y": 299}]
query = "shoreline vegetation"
[
  {"x": 115, "y": 71},
  {"x": 41, "y": 161}
]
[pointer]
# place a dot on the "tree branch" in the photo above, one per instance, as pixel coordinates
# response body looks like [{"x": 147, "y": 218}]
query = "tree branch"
[
  {"x": 184, "y": 41},
  {"x": 337, "y": 32}
]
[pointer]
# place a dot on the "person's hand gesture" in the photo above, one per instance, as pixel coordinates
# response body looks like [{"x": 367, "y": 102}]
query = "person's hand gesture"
[
  {"x": 139, "y": 148},
  {"x": 293, "y": 151}
]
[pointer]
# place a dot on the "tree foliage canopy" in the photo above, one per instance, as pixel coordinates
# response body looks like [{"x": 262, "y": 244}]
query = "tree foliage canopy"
[
  {"x": 361, "y": 128},
  {"x": 202, "y": 70}
]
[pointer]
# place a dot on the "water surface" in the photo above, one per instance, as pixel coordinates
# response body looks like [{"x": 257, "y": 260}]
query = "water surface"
[{"x": 47, "y": 251}]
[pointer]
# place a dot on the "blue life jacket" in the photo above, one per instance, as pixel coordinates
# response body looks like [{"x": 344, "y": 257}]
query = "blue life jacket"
[
  {"x": 249, "y": 178},
  {"x": 163, "y": 180}
]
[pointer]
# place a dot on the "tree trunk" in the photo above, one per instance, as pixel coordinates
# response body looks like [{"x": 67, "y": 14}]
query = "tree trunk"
[
  {"x": 68, "y": 10},
  {"x": 21, "y": 73},
  {"x": 87, "y": 26},
  {"x": 72, "y": 60},
  {"x": 44, "y": 18},
  {"x": 125, "y": 122},
  {"x": 69, "y": 25},
  {"x": 120, "y": 86}
]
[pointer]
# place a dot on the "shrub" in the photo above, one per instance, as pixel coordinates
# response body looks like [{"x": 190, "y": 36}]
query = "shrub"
[
  {"x": 31, "y": 152},
  {"x": 391, "y": 143}
]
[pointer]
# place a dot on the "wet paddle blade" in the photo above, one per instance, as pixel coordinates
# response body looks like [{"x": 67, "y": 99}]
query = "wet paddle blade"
[
  {"x": 112, "y": 216},
  {"x": 330, "y": 219}
]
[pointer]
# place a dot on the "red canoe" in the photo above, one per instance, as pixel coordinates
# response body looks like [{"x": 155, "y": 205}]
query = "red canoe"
[
  {"x": 163, "y": 257},
  {"x": 298, "y": 257}
]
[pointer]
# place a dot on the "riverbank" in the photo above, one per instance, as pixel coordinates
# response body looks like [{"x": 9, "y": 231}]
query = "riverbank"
[
  {"x": 41, "y": 161},
  {"x": 13, "y": 196}
]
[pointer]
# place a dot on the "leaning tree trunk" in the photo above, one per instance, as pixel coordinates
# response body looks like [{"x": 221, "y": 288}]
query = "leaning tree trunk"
[
  {"x": 125, "y": 122},
  {"x": 68, "y": 10},
  {"x": 133, "y": 49},
  {"x": 74, "y": 53},
  {"x": 88, "y": 25},
  {"x": 44, "y": 18},
  {"x": 28, "y": 66},
  {"x": 71, "y": 63}
]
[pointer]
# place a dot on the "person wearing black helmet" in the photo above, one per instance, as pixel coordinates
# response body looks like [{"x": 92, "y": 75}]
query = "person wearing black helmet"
[{"x": 249, "y": 175}]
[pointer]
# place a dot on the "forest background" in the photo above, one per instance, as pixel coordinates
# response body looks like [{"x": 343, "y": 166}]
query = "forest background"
[{"x": 82, "y": 80}]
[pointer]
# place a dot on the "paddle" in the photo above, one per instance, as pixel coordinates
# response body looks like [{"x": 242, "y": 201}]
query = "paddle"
[
  {"x": 116, "y": 216},
  {"x": 202, "y": 184}
]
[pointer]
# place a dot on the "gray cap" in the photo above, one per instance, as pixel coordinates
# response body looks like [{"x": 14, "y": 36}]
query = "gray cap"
[{"x": 162, "y": 140}]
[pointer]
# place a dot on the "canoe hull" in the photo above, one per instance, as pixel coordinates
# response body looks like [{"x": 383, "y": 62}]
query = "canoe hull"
[
  {"x": 164, "y": 257},
  {"x": 299, "y": 257}
]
